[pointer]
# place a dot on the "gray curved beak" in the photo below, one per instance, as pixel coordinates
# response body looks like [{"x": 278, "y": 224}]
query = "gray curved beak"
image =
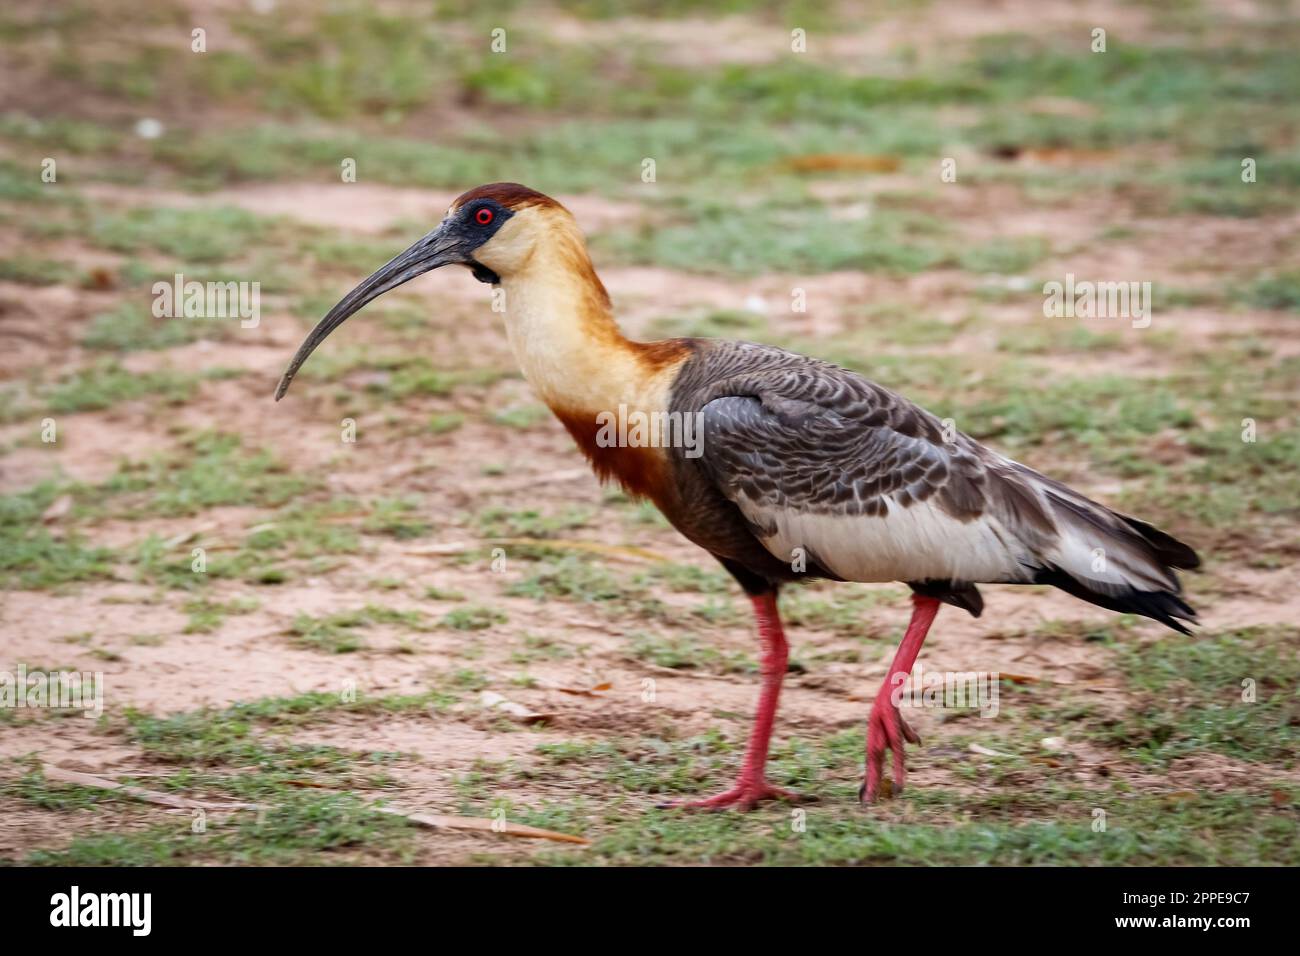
[{"x": 436, "y": 249}]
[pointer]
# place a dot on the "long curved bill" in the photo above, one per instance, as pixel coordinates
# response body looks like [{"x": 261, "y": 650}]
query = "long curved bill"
[{"x": 434, "y": 250}]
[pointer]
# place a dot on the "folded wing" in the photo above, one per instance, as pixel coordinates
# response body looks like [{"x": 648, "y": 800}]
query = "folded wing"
[{"x": 874, "y": 488}]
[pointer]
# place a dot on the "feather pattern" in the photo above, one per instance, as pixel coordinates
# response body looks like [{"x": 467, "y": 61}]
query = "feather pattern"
[{"x": 869, "y": 486}]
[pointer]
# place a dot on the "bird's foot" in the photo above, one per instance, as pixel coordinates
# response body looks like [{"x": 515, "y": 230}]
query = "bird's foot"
[
  {"x": 885, "y": 729},
  {"x": 745, "y": 795}
]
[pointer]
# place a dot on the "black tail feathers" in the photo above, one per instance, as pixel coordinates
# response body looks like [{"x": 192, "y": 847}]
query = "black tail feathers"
[
  {"x": 1166, "y": 547},
  {"x": 1167, "y": 607}
]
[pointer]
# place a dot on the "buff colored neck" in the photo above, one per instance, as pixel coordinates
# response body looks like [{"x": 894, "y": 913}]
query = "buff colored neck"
[{"x": 566, "y": 341}]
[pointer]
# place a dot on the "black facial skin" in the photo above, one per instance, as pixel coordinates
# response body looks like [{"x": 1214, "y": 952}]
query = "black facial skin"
[
  {"x": 474, "y": 235},
  {"x": 484, "y": 274},
  {"x": 454, "y": 242}
]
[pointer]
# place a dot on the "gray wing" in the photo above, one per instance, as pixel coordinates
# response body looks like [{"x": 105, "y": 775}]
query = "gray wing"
[{"x": 874, "y": 488}]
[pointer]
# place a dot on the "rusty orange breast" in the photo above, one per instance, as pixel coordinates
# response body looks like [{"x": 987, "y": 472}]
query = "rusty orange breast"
[{"x": 643, "y": 472}]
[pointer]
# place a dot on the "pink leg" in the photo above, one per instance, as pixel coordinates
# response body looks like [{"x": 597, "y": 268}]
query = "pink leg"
[
  {"x": 752, "y": 785},
  {"x": 885, "y": 728}
]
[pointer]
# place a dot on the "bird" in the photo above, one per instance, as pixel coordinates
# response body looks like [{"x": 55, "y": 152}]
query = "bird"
[{"x": 799, "y": 469}]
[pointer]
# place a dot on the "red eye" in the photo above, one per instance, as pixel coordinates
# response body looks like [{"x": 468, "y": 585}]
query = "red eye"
[{"x": 483, "y": 216}]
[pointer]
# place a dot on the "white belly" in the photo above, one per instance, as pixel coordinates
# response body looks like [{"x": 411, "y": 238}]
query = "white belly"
[{"x": 917, "y": 543}]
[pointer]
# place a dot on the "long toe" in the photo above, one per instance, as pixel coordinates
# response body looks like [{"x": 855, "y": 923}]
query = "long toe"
[
  {"x": 746, "y": 795},
  {"x": 886, "y": 730}
]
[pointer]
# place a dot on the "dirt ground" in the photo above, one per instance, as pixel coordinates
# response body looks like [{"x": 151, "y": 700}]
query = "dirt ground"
[{"x": 359, "y": 579}]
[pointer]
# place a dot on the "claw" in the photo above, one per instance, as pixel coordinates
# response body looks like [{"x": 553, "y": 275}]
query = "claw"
[
  {"x": 886, "y": 729},
  {"x": 746, "y": 795}
]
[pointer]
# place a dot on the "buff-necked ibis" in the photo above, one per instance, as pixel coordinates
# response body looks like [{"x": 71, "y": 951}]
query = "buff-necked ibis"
[{"x": 804, "y": 469}]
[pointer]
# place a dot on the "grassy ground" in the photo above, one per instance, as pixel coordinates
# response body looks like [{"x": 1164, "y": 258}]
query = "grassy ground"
[{"x": 358, "y": 598}]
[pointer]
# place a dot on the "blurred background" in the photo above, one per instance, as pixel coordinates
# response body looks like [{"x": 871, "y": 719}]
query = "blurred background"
[{"x": 912, "y": 173}]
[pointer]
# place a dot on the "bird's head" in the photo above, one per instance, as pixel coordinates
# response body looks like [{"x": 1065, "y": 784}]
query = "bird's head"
[{"x": 493, "y": 230}]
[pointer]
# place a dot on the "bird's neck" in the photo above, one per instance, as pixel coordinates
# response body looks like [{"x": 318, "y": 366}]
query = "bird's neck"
[
  {"x": 579, "y": 362},
  {"x": 567, "y": 343}
]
